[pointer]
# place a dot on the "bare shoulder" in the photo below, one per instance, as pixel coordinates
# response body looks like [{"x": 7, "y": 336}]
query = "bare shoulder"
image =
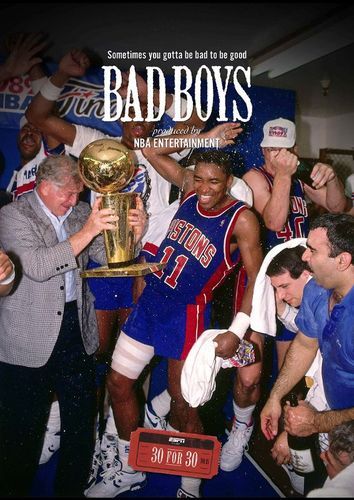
[
  {"x": 247, "y": 223},
  {"x": 255, "y": 179}
]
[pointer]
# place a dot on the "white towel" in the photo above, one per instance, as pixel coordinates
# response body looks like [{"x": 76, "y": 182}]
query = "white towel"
[
  {"x": 200, "y": 369},
  {"x": 263, "y": 314},
  {"x": 241, "y": 191}
]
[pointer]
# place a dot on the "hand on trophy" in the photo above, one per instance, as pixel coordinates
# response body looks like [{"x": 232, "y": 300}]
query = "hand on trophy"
[
  {"x": 100, "y": 219},
  {"x": 137, "y": 218}
]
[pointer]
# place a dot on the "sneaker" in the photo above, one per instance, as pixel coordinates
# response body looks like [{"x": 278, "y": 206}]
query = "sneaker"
[
  {"x": 229, "y": 426},
  {"x": 116, "y": 481},
  {"x": 181, "y": 493},
  {"x": 104, "y": 456},
  {"x": 297, "y": 482},
  {"x": 50, "y": 445},
  {"x": 236, "y": 444},
  {"x": 109, "y": 450},
  {"x": 96, "y": 462},
  {"x": 153, "y": 421}
]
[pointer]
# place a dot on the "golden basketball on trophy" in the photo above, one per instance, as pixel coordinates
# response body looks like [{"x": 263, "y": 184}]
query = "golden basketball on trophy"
[{"x": 107, "y": 166}]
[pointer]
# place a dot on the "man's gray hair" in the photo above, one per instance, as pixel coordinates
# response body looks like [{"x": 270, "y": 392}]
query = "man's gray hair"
[
  {"x": 341, "y": 438},
  {"x": 57, "y": 169}
]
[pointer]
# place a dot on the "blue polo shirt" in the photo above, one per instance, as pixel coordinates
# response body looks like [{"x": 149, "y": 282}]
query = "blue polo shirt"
[{"x": 335, "y": 334}]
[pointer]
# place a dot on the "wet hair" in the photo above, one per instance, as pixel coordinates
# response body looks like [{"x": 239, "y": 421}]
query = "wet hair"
[
  {"x": 341, "y": 438},
  {"x": 340, "y": 232},
  {"x": 219, "y": 158},
  {"x": 57, "y": 169},
  {"x": 289, "y": 259}
]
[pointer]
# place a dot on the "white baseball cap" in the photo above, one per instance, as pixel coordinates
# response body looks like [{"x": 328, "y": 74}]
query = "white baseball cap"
[{"x": 279, "y": 133}]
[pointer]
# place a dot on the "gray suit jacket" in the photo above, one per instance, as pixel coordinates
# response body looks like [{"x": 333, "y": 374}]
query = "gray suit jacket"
[{"x": 31, "y": 316}]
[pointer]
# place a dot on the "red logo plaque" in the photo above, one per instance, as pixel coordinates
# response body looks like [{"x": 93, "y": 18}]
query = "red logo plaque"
[{"x": 182, "y": 454}]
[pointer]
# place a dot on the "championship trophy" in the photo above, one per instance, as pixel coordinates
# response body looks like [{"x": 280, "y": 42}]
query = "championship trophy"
[{"x": 106, "y": 166}]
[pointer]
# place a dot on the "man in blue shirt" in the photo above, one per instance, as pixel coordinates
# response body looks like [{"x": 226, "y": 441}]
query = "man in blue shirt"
[{"x": 325, "y": 320}]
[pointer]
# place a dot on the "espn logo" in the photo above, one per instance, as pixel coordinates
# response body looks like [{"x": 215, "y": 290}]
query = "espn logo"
[{"x": 176, "y": 440}]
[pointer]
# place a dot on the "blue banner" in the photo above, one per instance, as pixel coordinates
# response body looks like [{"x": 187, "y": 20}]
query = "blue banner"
[{"x": 82, "y": 102}]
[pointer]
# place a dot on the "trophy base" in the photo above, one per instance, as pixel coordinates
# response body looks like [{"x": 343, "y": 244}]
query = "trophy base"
[
  {"x": 118, "y": 265},
  {"x": 139, "y": 269}
]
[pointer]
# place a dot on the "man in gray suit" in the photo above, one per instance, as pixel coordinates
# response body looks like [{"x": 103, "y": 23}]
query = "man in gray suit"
[{"x": 48, "y": 326}]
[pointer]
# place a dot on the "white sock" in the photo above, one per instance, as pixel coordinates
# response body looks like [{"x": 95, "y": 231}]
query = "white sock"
[
  {"x": 53, "y": 423},
  {"x": 110, "y": 424},
  {"x": 243, "y": 415},
  {"x": 161, "y": 403},
  {"x": 189, "y": 484},
  {"x": 123, "y": 451}
]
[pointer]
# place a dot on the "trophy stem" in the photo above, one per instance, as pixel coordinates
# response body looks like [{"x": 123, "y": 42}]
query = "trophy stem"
[{"x": 119, "y": 242}]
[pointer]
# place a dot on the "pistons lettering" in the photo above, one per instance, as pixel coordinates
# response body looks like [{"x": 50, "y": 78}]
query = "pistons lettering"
[
  {"x": 193, "y": 240},
  {"x": 298, "y": 205}
]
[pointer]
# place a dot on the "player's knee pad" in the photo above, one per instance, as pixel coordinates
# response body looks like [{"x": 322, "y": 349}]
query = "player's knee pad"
[{"x": 130, "y": 356}]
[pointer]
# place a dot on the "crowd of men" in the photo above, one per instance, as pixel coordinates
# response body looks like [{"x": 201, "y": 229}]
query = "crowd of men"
[{"x": 54, "y": 323}]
